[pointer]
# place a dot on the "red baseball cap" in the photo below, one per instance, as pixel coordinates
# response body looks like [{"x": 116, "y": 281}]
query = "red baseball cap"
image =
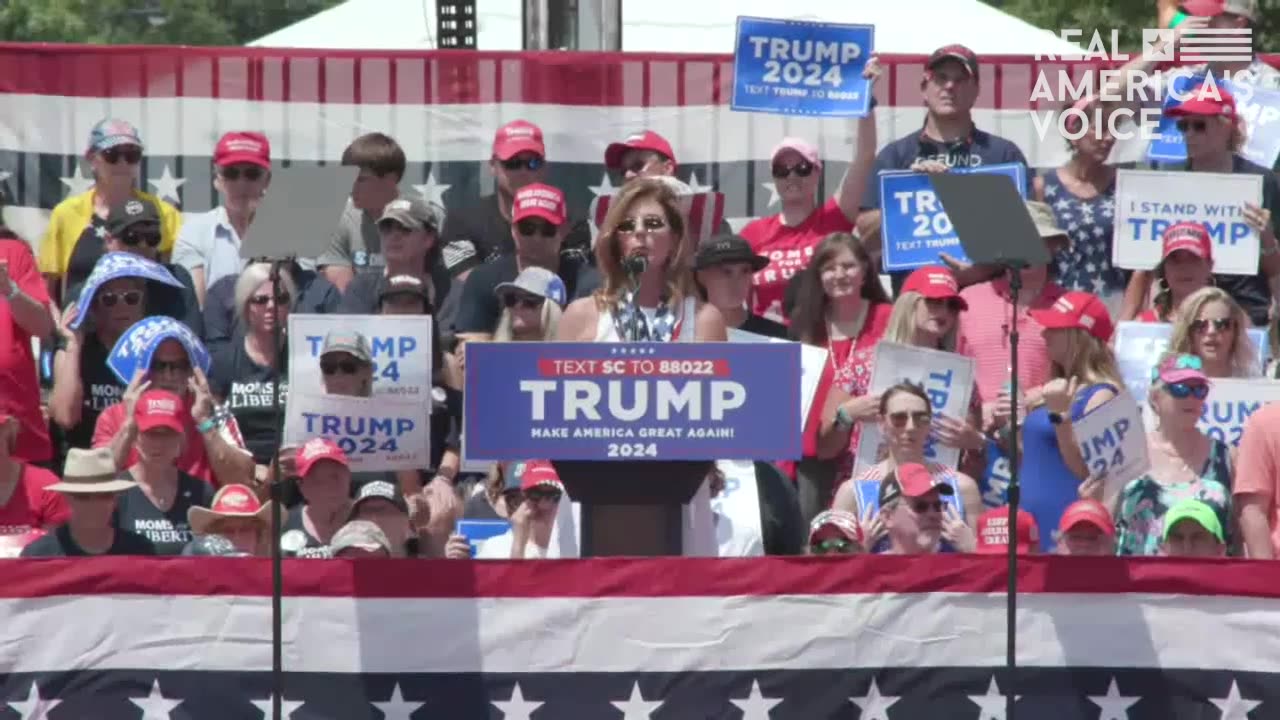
[
  {"x": 539, "y": 200},
  {"x": 955, "y": 51},
  {"x": 316, "y": 450},
  {"x": 1190, "y": 236},
  {"x": 1205, "y": 100},
  {"x": 645, "y": 140},
  {"x": 936, "y": 283},
  {"x": 911, "y": 480},
  {"x": 836, "y": 523},
  {"x": 243, "y": 147},
  {"x": 1089, "y": 512},
  {"x": 1214, "y": 8},
  {"x": 1077, "y": 309},
  {"x": 992, "y": 528},
  {"x": 516, "y": 137},
  {"x": 538, "y": 473},
  {"x": 157, "y": 409}
]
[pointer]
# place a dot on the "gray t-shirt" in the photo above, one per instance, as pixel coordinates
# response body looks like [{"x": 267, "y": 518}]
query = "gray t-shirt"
[{"x": 355, "y": 243}]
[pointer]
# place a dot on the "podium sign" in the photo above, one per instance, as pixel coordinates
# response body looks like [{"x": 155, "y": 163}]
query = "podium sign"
[{"x": 632, "y": 401}]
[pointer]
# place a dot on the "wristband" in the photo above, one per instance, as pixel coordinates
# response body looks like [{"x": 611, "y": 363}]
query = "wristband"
[
  {"x": 207, "y": 424},
  {"x": 843, "y": 421},
  {"x": 1177, "y": 19}
]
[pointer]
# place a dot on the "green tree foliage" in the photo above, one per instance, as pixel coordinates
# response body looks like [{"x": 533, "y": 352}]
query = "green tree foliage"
[{"x": 151, "y": 22}]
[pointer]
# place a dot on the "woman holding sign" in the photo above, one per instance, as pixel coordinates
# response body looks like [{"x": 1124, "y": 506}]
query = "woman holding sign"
[
  {"x": 1186, "y": 265},
  {"x": 647, "y": 292},
  {"x": 1214, "y": 327}
]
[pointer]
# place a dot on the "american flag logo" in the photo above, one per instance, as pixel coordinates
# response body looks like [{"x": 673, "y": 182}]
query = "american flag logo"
[{"x": 1200, "y": 45}]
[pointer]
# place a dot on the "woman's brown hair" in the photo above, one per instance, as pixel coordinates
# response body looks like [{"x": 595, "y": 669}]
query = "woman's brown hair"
[
  {"x": 809, "y": 319},
  {"x": 908, "y": 388},
  {"x": 679, "y": 273}
]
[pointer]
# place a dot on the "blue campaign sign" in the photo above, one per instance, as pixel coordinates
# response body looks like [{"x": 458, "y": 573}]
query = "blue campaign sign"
[
  {"x": 1169, "y": 145},
  {"x": 1259, "y": 107},
  {"x": 135, "y": 347},
  {"x": 477, "y": 531},
  {"x": 914, "y": 226},
  {"x": 632, "y": 401},
  {"x": 1139, "y": 345},
  {"x": 796, "y": 67},
  {"x": 113, "y": 266}
]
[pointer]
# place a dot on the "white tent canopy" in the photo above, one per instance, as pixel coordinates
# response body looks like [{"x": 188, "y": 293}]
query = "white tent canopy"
[{"x": 916, "y": 27}]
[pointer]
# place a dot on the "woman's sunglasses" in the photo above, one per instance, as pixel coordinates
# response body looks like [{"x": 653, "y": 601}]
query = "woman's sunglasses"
[
  {"x": 528, "y": 302},
  {"x": 332, "y": 367},
  {"x": 131, "y": 155},
  {"x": 832, "y": 546},
  {"x": 109, "y": 299},
  {"x": 281, "y": 299},
  {"x": 801, "y": 169},
  {"x": 952, "y": 304},
  {"x": 899, "y": 419},
  {"x": 163, "y": 366},
  {"x": 515, "y": 163},
  {"x": 133, "y": 239},
  {"x": 650, "y": 224},
  {"x": 1219, "y": 324},
  {"x": 1198, "y": 125},
  {"x": 536, "y": 227},
  {"x": 540, "y": 495},
  {"x": 1184, "y": 390},
  {"x": 249, "y": 172}
]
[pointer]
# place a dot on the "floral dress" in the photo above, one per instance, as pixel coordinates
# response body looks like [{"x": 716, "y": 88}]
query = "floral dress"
[{"x": 1144, "y": 502}]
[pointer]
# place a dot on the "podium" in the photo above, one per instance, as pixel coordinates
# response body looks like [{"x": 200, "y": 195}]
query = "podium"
[{"x": 632, "y": 429}]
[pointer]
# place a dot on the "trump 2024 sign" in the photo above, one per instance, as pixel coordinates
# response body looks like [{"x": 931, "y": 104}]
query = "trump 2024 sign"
[{"x": 632, "y": 401}]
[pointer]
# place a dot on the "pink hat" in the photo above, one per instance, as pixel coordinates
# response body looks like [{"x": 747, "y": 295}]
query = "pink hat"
[
  {"x": 645, "y": 140},
  {"x": 806, "y": 151},
  {"x": 1077, "y": 309},
  {"x": 516, "y": 137},
  {"x": 243, "y": 147},
  {"x": 539, "y": 200},
  {"x": 1179, "y": 367}
]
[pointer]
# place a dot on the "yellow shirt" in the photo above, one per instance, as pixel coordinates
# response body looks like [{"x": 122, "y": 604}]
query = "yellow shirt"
[{"x": 72, "y": 216}]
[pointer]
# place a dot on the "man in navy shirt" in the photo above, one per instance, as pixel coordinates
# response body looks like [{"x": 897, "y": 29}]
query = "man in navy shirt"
[{"x": 947, "y": 140}]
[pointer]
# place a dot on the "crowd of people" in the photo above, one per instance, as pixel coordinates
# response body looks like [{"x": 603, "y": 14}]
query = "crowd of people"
[{"x": 182, "y": 457}]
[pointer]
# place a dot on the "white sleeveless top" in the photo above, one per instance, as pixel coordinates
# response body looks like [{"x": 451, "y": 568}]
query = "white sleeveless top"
[{"x": 607, "y": 330}]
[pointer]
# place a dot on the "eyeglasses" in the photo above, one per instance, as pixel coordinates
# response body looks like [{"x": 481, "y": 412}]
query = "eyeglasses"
[
  {"x": 131, "y": 155},
  {"x": 1198, "y": 125},
  {"x": 1183, "y": 390},
  {"x": 542, "y": 495},
  {"x": 163, "y": 366},
  {"x": 281, "y": 299},
  {"x": 332, "y": 367},
  {"x": 109, "y": 299},
  {"x": 536, "y": 227},
  {"x": 832, "y": 546},
  {"x": 652, "y": 223},
  {"x": 528, "y": 302},
  {"x": 150, "y": 239},
  {"x": 1219, "y": 324},
  {"x": 921, "y": 507},
  {"x": 802, "y": 169},
  {"x": 529, "y": 163},
  {"x": 248, "y": 172},
  {"x": 952, "y": 304},
  {"x": 899, "y": 419}
]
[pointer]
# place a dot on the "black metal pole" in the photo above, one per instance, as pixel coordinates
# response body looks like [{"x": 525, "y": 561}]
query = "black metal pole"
[
  {"x": 277, "y": 496},
  {"x": 1011, "y": 604}
]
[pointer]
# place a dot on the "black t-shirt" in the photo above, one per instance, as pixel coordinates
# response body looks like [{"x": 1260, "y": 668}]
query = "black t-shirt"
[
  {"x": 245, "y": 386},
  {"x": 1252, "y": 291},
  {"x": 101, "y": 389},
  {"x": 178, "y": 303},
  {"x": 781, "y": 528},
  {"x": 167, "y": 531},
  {"x": 481, "y": 222},
  {"x": 315, "y": 295},
  {"x": 295, "y": 541},
  {"x": 764, "y": 326},
  {"x": 59, "y": 543},
  {"x": 480, "y": 310},
  {"x": 87, "y": 251}
]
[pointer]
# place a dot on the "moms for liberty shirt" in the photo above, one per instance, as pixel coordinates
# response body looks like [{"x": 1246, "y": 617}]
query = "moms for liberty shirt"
[
  {"x": 169, "y": 530},
  {"x": 246, "y": 388}
]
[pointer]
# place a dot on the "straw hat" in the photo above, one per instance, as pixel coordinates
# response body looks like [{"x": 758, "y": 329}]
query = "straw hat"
[
  {"x": 230, "y": 502},
  {"x": 91, "y": 472}
]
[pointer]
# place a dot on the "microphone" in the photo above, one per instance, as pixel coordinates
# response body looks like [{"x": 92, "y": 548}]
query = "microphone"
[{"x": 635, "y": 265}]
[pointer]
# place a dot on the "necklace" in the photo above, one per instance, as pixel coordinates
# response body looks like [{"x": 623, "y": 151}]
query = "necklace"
[{"x": 855, "y": 329}]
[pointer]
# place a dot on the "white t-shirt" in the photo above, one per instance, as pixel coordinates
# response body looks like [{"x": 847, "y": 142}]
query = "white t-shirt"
[{"x": 498, "y": 547}]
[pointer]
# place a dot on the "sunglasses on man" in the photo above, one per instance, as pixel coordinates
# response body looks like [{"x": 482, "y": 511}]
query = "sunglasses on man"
[
  {"x": 539, "y": 495},
  {"x": 833, "y": 546},
  {"x": 518, "y": 163},
  {"x": 141, "y": 237},
  {"x": 333, "y": 367},
  {"x": 1192, "y": 124},
  {"x": 529, "y": 228},
  {"x": 251, "y": 173}
]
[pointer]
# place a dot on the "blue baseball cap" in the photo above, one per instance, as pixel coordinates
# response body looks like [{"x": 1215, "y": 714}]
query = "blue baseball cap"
[{"x": 111, "y": 133}]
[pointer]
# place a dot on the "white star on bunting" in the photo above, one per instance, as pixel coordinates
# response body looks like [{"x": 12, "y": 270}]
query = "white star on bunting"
[
  {"x": 5, "y": 175},
  {"x": 1233, "y": 706},
  {"x": 874, "y": 706},
  {"x": 697, "y": 188},
  {"x": 78, "y": 183},
  {"x": 34, "y": 707},
  {"x": 432, "y": 191},
  {"x": 604, "y": 188},
  {"x": 517, "y": 708},
  {"x": 287, "y": 707},
  {"x": 397, "y": 708},
  {"x": 1114, "y": 705},
  {"x": 991, "y": 706},
  {"x": 773, "y": 193},
  {"x": 155, "y": 706},
  {"x": 636, "y": 707},
  {"x": 167, "y": 186},
  {"x": 756, "y": 706}
]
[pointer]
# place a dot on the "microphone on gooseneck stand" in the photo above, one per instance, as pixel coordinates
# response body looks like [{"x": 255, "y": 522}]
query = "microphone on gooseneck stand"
[{"x": 634, "y": 266}]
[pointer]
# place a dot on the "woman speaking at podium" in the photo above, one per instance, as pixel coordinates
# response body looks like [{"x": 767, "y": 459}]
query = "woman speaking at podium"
[{"x": 647, "y": 292}]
